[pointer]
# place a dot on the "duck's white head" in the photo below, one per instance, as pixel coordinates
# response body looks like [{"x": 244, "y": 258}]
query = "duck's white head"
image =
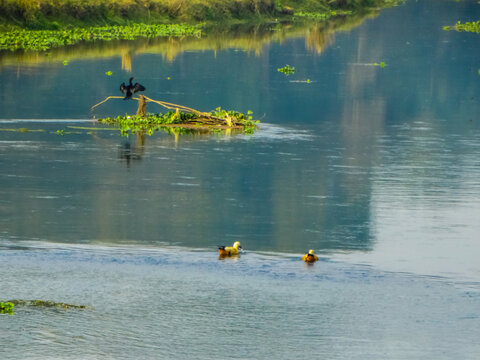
[
  {"x": 237, "y": 245},
  {"x": 311, "y": 252}
]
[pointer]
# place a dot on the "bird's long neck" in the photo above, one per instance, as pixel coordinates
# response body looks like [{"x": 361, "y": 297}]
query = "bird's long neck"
[{"x": 131, "y": 81}]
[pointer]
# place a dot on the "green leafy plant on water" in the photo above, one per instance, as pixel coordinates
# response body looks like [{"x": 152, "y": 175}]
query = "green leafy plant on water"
[
  {"x": 287, "y": 70},
  {"x": 467, "y": 27},
  {"x": 109, "y": 73},
  {"x": 152, "y": 122},
  {"x": 41, "y": 40},
  {"x": 47, "y": 304},
  {"x": 6, "y": 308},
  {"x": 323, "y": 15},
  {"x": 381, "y": 64}
]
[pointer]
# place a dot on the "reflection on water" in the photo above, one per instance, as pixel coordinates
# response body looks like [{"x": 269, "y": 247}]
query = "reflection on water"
[
  {"x": 132, "y": 152},
  {"x": 249, "y": 38}
]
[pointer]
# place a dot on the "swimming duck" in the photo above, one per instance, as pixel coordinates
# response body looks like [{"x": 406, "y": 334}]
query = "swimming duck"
[
  {"x": 310, "y": 257},
  {"x": 230, "y": 250},
  {"x": 130, "y": 89}
]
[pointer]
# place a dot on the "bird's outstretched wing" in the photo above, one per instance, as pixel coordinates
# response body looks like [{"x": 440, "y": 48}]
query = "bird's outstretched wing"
[
  {"x": 123, "y": 88},
  {"x": 137, "y": 87}
]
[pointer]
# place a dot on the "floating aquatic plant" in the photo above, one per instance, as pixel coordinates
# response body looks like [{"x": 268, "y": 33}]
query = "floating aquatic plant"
[
  {"x": 381, "y": 64},
  {"x": 151, "y": 122},
  {"x": 109, "y": 73},
  {"x": 287, "y": 70},
  {"x": 40, "y": 40},
  {"x": 473, "y": 26},
  {"x": 179, "y": 116},
  {"x": 45, "y": 303},
  {"x": 6, "y": 308},
  {"x": 323, "y": 15}
]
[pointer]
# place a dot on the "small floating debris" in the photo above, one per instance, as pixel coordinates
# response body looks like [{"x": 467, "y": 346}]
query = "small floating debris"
[
  {"x": 9, "y": 306},
  {"x": 45, "y": 304},
  {"x": 381, "y": 64},
  {"x": 287, "y": 70},
  {"x": 308, "y": 81},
  {"x": 24, "y": 130}
]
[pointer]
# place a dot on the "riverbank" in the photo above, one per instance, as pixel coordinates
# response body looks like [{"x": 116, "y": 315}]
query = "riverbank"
[{"x": 60, "y": 14}]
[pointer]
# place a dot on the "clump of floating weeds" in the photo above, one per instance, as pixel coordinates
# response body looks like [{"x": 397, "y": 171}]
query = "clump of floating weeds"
[
  {"x": 46, "y": 304},
  {"x": 287, "y": 70},
  {"x": 323, "y": 15},
  {"x": 180, "y": 116},
  {"x": 6, "y": 308},
  {"x": 473, "y": 26},
  {"x": 381, "y": 64},
  {"x": 40, "y": 40}
]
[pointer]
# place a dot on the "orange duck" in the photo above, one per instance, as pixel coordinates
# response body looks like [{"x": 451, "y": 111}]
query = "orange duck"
[
  {"x": 230, "y": 250},
  {"x": 310, "y": 257}
]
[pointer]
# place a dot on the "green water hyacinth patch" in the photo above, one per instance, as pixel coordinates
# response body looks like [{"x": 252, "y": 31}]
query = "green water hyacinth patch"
[
  {"x": 6, "y": 308},
  {"x": 473, "y": 26},
  {"x": 287, "y": 70},
  {"x": 319, "y": 16},
  {"x": 41, "y": 40},
  {"x": 46, "y": 304},
  {"x": 219, "y": 119}
]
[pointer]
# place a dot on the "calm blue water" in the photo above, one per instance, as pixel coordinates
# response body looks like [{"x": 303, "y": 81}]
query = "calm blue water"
[{"x": 377, "y": 169}]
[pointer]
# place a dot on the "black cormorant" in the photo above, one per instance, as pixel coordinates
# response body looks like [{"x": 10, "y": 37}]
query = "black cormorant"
[{"x": 130, "y": 89}]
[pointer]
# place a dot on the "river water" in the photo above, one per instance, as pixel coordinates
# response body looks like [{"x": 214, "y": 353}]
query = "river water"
[{"x": 377, "y": 168}]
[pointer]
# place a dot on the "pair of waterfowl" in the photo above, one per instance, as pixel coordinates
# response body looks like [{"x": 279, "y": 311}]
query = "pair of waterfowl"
[{"x": 234, "y": 250}]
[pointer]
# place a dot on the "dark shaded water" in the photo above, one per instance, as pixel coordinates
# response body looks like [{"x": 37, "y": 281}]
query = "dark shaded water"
[{"x": 375, "y": 168}]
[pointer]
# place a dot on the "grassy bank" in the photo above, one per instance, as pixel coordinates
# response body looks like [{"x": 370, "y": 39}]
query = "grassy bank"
[{"x": 59, "y": 14}]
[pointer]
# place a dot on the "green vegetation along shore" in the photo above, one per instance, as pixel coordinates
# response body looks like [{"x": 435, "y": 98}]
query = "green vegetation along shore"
[
  {"x": 40, "y": 25},
  {"x": 60, "y": 14},
  {"x": 38, "y": 40}
]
